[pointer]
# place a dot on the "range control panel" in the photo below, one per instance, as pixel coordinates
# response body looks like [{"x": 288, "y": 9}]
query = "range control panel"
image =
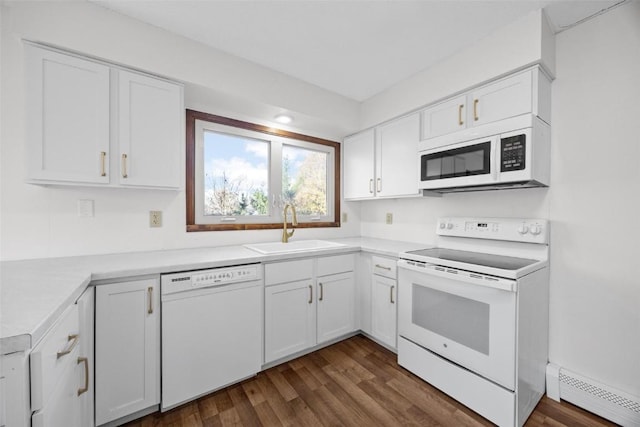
[
  {"x": 179, "y": 282},
  {"x": 510, "y": 229}
]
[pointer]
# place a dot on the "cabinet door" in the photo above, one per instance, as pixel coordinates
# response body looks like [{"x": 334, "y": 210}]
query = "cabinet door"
[
  {"x": 63, "y": 408},
  {"x": 505, "y": 98},
  {"x": 335, "y": 306},
  {"x": 446, "y": 117},
  {"x": 290, "y": 319},
  {"x": 150, "y": 136},
  {"x": 86, "y": 310},
  {"x": 68, "y": 118},
  {"x": 363, "y": 292},
  {"x": 358, "y": 165},
  {"x": 383, "y": 310},
  {"x": 397, "y": 159},
  {"x": 127, "y": 348}
]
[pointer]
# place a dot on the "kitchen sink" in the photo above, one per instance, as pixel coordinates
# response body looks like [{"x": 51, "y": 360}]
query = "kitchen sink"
[{"x": 295, "y": 246}]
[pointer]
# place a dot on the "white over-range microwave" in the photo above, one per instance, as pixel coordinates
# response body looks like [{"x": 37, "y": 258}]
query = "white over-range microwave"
[{"x": 493, "y": 158}]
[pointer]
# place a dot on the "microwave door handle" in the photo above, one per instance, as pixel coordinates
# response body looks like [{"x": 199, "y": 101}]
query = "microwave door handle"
[{"x": 495, "y": 158}]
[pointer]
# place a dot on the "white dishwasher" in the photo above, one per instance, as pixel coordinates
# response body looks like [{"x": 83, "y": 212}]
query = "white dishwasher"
[{"x": 211, "y": 330}]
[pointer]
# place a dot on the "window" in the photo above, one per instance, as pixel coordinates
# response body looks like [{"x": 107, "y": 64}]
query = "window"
[{"x": 240, "y": 175}]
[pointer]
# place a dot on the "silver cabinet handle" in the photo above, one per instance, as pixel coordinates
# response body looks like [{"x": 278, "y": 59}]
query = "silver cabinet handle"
[
  {"x": 383, "y": 267},
  {"x": 124, "y": 166},
  {"x": 86, "y": 375},
  {"x": 310, "y": 294},
  {"x": 150, "y": 292},
  {"x": 371, "y": 186},
  {"x": 379, "y": 185},
  {"x": 73, "y": 339},
  {"x": 391, "y": 295},
  {"x": 321, "y": 292}
]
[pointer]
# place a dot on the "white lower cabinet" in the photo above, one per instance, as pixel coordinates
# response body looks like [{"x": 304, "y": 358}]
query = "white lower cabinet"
[
  {"x": 61, "y": 369},
  {"x": 127, "y": 348},
  {"x": 14, "y": 390},
  {"x": 384, "y": 310},
  {"x": 307, "y": 302},
  {"x": 335, "y": 306},
  {"x": 85, "y": 363},
  {"x": 290, "y": 315},
  {"x": 377, "y": 298}
]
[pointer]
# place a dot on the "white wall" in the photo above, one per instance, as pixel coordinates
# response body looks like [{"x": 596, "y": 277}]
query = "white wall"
[
  {"x": 594, "y": 198},
  {"x": 43, "y": 222},
  {"x": 524, "y": 42}
]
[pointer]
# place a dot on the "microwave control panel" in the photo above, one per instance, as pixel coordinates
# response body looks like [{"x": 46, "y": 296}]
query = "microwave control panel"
[{"x": 512, "y": 153}]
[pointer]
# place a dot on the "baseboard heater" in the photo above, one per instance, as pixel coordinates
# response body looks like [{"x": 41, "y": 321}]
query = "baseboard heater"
[{"x": 614, "y": 405}]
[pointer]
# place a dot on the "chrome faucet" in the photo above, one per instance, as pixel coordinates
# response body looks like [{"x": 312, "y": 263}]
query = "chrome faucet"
[{"x": 287, "y": 234}]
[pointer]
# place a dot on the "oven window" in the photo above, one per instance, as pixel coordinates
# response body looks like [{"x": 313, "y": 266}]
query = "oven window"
[
  {"x": 459, "y": 319},
  {"x": 465, "y": 161}
]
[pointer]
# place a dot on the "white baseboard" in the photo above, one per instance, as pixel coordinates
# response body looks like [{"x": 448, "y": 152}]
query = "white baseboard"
[{"x": 609, "y": 403}]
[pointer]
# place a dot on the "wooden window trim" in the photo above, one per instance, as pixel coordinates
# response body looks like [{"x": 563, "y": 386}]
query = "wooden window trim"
[{"x": 192, "y": 116}]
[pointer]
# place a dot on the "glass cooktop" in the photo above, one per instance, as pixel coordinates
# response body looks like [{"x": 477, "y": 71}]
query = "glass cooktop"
[{"x": 473, "y": 258}]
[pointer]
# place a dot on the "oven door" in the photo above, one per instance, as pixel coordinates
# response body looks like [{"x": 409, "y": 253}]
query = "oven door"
[
  {"x": 465, "y": 164},
  {"x": 461, "y": 319}
]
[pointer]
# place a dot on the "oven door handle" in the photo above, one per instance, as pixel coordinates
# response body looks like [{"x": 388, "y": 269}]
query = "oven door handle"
[{"x": 459, "y": 275}]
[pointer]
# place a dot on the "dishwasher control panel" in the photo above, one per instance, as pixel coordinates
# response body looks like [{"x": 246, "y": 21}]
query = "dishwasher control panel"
[{"x": 179, "y": 282}]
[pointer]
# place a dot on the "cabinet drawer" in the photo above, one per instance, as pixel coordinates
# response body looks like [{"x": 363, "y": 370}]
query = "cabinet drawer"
[
  {"x": 385, "y": 267},
  {"x": 288, "y": 271},
  {"x": 54, "y": 355},
  {"x": 335, "y": 264}
]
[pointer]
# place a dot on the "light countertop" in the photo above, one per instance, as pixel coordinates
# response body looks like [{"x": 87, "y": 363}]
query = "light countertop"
[{"x": 34, "y": 293}]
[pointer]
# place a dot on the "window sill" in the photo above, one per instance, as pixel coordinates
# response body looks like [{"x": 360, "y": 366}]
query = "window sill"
[{"x": 266, "y": 226}]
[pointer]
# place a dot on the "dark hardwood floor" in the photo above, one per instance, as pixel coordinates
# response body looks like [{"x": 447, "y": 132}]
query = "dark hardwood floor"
[{"x": 352, "y": 383}]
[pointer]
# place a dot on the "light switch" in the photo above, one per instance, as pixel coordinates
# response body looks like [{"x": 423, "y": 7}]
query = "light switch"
[{"x": 85, "y": 208}]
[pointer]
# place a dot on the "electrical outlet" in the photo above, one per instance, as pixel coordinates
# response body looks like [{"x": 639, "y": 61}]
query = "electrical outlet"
[
  {"x": 389, "y": 218},
  {"x": 344, "y": 217},
  {"x": 155, "y": 218}
]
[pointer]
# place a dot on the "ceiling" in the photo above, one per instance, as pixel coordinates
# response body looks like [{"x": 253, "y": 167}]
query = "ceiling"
[{"x": 354, "y": 48}]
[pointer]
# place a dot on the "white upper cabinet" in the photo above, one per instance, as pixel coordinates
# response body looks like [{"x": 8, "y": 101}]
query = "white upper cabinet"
[
  {"x": 96, "y": 124},
  {"x": 525, "y": 92},
  {"x": 505, "y": 98},
  {"x": 444, "y": 118},
  {"x": 397, "y": 162},
  {"x": 150, "y": 127},
  {"x": 358, "y": 165},
  {"x": 68, "y": 118},
  {"x": 383, "y": 162}
]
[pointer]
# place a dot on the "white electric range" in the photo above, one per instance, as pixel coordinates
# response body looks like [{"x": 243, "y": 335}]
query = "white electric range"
[{"x": 473, "y": 314}]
